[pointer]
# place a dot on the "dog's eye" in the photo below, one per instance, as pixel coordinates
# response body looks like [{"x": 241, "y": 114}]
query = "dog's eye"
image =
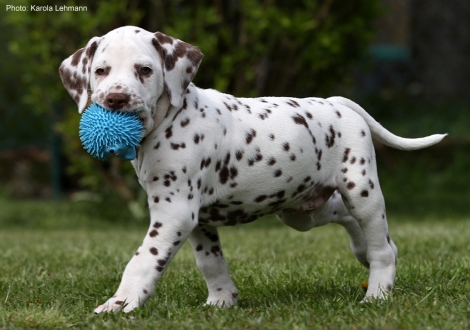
[
  {"x": 145, "y": 70},
  {"x": 100, "y": 71}
]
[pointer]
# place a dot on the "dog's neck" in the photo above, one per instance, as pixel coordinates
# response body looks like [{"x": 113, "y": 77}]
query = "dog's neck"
[{"x": 162, "y": 108}]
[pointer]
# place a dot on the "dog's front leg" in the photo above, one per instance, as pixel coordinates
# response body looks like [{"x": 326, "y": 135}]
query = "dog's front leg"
[
  {"x": 210, "y": 261},
  {"x": 171, "y": 223}
]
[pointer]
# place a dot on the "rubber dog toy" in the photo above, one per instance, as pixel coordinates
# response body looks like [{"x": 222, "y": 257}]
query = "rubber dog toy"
[{"x": 106, "y": 133}]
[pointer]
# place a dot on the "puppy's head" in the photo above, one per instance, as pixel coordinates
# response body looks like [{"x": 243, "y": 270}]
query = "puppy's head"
[{"x": 130, "y": 69}]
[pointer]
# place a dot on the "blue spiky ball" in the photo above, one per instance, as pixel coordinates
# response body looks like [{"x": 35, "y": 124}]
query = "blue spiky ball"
[{"x": 107, "y": 133}]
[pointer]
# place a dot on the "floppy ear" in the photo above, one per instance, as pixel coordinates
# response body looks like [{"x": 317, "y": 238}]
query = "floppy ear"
[
  {"x": 180, "y": 62},
  {"x": 75, "y": 73}
]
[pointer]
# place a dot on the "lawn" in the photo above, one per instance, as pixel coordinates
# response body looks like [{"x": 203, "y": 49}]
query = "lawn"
[{"x": 59, "y": 260}]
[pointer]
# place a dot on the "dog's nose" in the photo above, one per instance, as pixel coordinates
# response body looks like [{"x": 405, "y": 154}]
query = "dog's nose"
[{"x": 116, "y": 101}]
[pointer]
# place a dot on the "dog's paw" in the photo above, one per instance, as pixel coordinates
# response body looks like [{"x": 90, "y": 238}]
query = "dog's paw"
[
  {"x": 116, "y": 304},
  {"x": 223, "y": 298},
  {"x": 376, "y": 295}
]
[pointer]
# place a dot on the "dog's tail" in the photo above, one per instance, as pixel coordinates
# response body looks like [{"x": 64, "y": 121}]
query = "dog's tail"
[{"x": 383, "y": 135}]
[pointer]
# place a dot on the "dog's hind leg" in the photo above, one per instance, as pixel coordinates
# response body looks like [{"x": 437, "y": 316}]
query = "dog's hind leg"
[
  {"x": 333, "y": 211},
  {"x": 360, "y": 190}
]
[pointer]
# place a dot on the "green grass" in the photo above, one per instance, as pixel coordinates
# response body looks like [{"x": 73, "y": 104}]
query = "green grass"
[{"x": 59, "y": 261}]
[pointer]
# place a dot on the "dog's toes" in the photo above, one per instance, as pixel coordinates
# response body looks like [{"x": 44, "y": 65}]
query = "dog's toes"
[
  {"x": 115, "y": 305},
  {"x": 105, "y": 308},
  {"x": 223, "y": 299},
  {"x": 377, "y": 294},
  {"x": 101, "y": 309}
]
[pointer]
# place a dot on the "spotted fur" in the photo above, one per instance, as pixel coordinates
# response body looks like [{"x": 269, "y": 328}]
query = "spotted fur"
[{"x": 210, "y": 159}]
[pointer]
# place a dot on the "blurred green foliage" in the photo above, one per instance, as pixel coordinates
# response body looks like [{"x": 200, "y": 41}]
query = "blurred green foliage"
[{"x": 251, "y": 48}]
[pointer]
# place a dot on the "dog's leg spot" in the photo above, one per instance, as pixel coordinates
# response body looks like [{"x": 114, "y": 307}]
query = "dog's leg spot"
[
  {"x": 346, "y": 155},
  {"x": 215, "y": 250}
]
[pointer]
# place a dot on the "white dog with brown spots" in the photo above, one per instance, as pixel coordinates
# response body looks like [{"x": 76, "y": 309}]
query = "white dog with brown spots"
[{"x": 210, "y": 159}]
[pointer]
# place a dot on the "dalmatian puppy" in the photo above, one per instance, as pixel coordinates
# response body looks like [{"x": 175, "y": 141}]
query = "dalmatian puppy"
[{"x": 209, "y": 159}]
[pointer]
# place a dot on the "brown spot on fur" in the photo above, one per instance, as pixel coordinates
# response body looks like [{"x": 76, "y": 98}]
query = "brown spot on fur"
[
  {"x": 300, "y": 120},
  {"x": 76, "y": 57},
  {"x": 346, "y": 155},
  {"x": 330, "y": 139}
]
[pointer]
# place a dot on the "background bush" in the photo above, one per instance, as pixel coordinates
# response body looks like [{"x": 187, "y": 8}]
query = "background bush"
[{"x": 252, "y": 48}]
